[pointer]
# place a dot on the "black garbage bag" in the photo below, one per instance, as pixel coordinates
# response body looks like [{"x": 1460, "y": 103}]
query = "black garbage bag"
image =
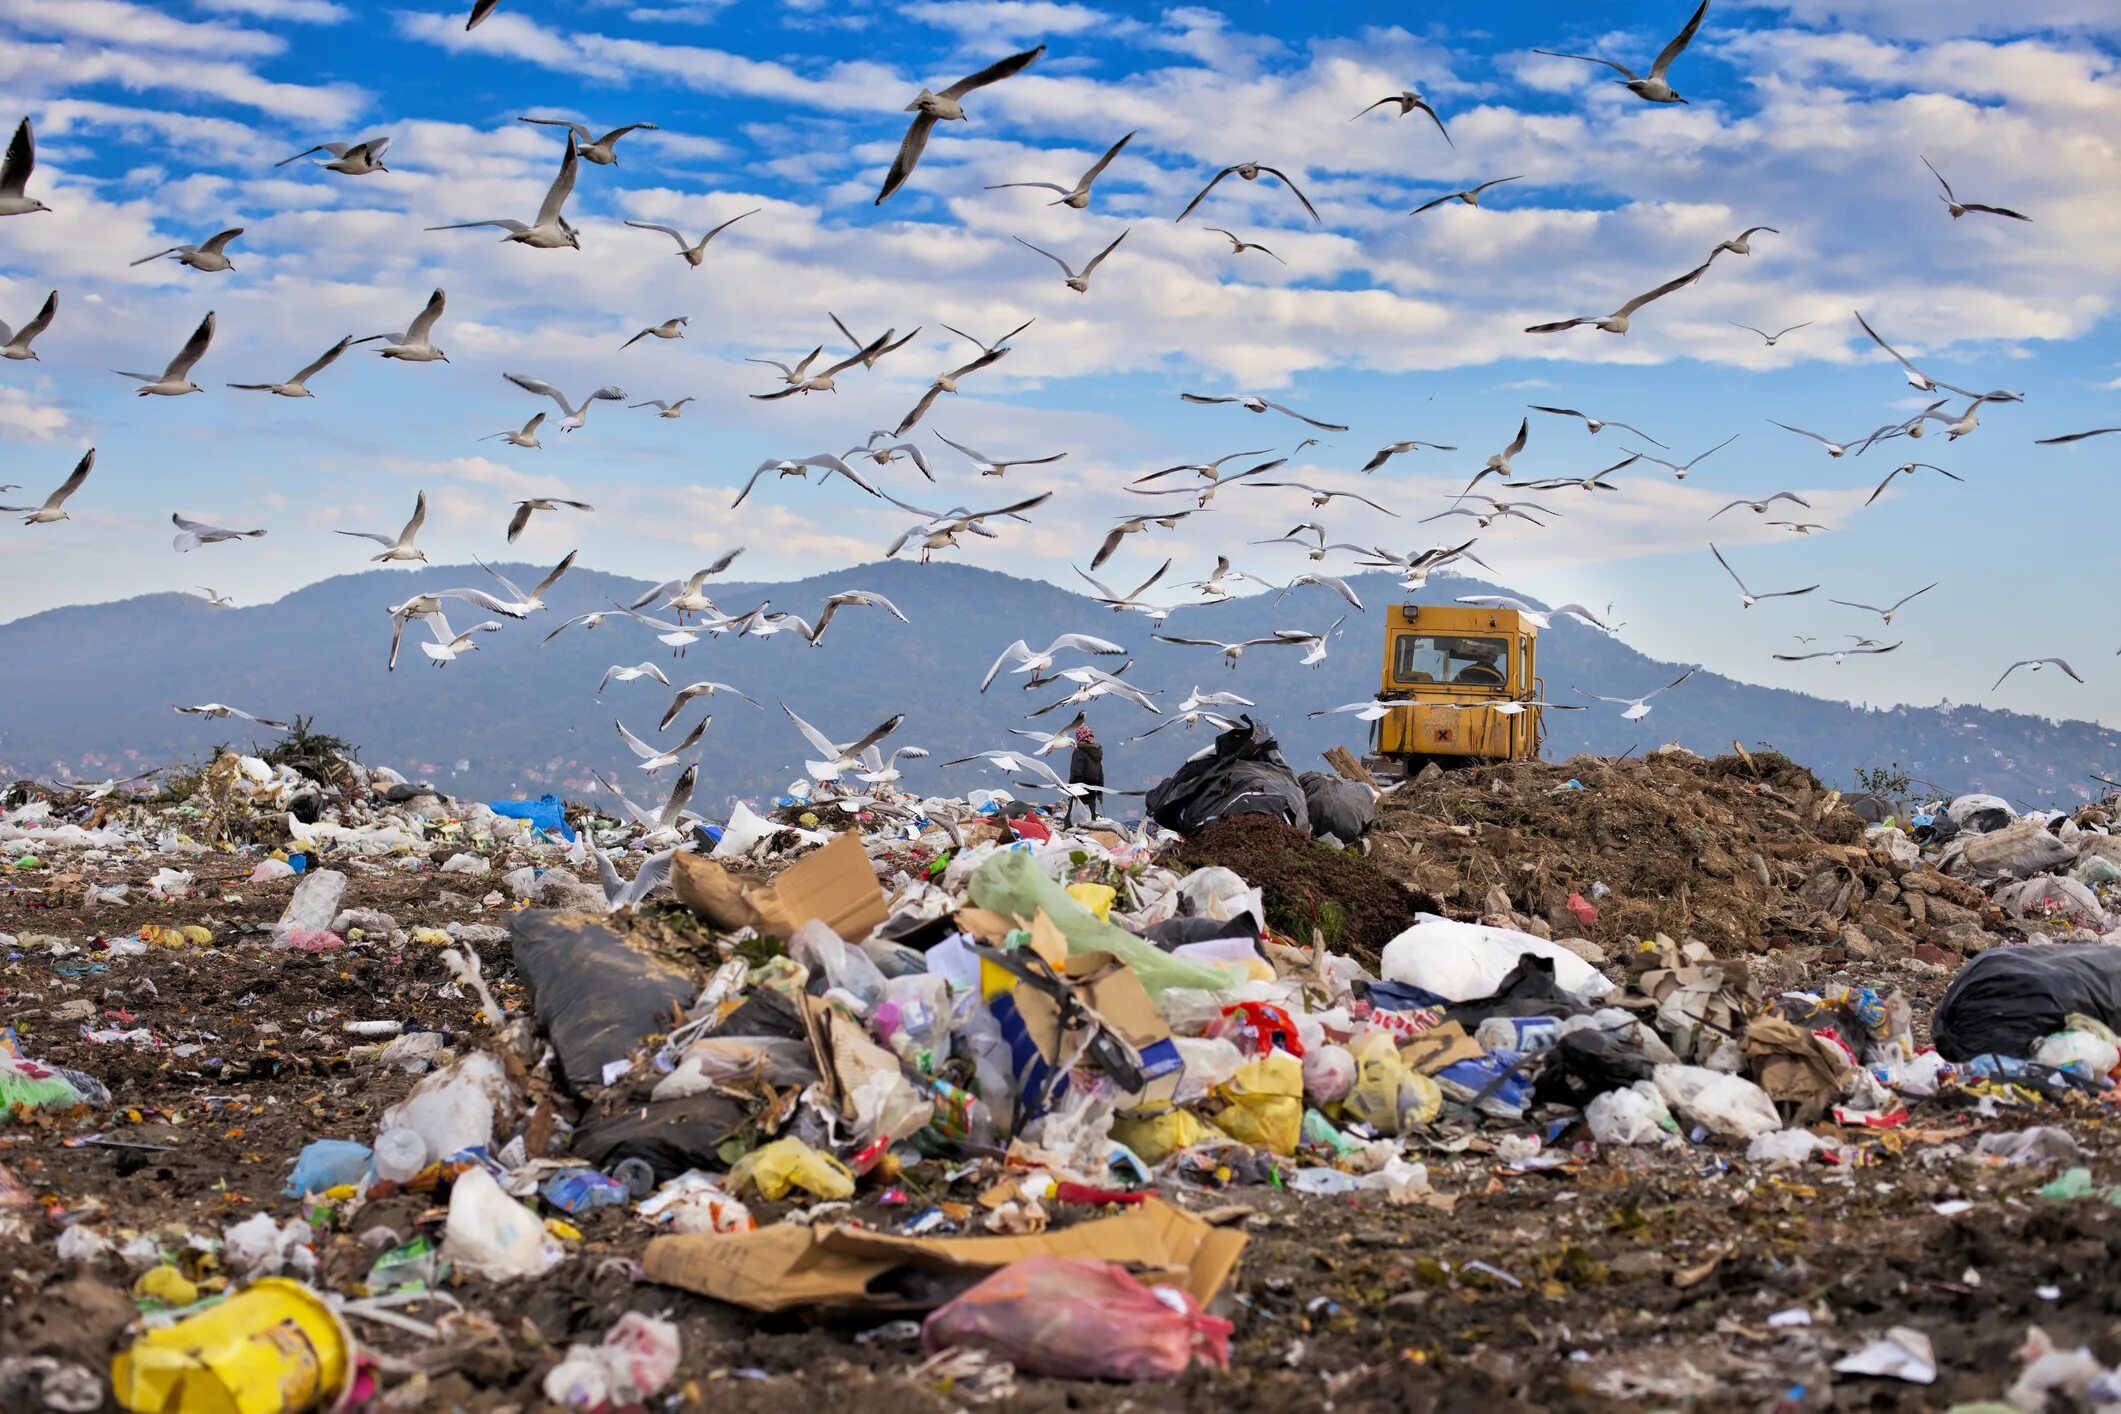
[
  {"x": 670, "y": 1135},
  {"x": 1346, "y": 810},
  {"x": 594, "y": 996},
  {"x": 1243, "y": 774},
  {"x": 1529, "y": 989},
  {"x": 2004, "y": 1001},
  {"x": 1583, "y": 1065},
  {"x": 1189, "y": 928}
]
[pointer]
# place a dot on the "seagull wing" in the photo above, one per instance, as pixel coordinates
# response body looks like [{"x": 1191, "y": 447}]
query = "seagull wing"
[
  {"x": 1589, "y": 59},
  {"x": 581, "y": 132},
  {"x": 1679, "y": 43},
  {"x": 562, "y": 185},
  {"x": 1018, "y": 651},
  {"x": 920, "y": 410},
  {"x": 194, "y": 349},
  {"x": 1050, "y": 255},
  {"x": 73, "y": 481},
  {"x": 21, "y": 160},
  {"x": 1661, "y": 291},
  {"x": 1295, "y": 191},
  {"x": 336, "y": 149},
  {"x": 1672, "y": 684},
  {"x": 1323, "y": 426},
  {"x": 909, "y": 154},
  {"x": 1802, "y": 433},
  {"x": 811, "y": 734},
  {"x": 1202, "y": 195},
  {"x": 325, "y": 361},
  {"x": 424, "y": 322},
  {"x": 633, "y": 743},
  {"x": 1728, "y": 570},
  {"x": 563, "y": 566},
  {"x": 1940, "y": 178},
  {"x": 1099, "y": 258},
  {"x": 540, "y": 387},
  {"x": 1097, "y": 168},
  {"x": 1047, "y": 186},
  {"x": 994, "y": 72},
  {"x": 2066, "y": 437},
  {"x": 419, "y": 518},
  {"x": 877, "y": 734},
  {"x": 517, "y": 521},
  {"x": 1997, "y": 211}
]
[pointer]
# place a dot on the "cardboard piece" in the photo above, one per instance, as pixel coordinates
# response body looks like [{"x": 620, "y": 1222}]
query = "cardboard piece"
[
  {"x": 784, "y": 1266},
  {"x": 836, "y": 884},
  {"x": 1439, "y": 1047},
  {"x": 1111, "y": 989}
]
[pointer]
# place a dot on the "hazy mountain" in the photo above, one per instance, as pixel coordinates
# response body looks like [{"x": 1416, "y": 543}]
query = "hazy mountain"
[{"x": 90, "y": 689}]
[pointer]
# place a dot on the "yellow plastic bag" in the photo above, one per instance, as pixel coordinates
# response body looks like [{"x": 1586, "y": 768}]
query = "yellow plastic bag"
[
  {"x": 1095, "y": 897},
  {"x": 1388, "y": 1096},
  {"x": 1264, "y": 1102},
  {"x": 773, "y": 1169},
  {"x": 1157, "y": 1137}
]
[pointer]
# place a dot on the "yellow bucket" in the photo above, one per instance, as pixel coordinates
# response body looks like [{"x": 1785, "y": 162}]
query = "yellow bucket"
[{"x": 274, "y": 1348}]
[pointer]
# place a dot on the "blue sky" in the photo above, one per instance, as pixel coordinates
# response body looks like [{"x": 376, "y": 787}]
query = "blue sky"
[{"x": 160, "y": 124}]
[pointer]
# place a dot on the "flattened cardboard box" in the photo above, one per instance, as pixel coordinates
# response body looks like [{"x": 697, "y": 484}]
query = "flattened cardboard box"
[
  {"x": 783, "y": 1266},
  {"x": 836, "y": 883}
]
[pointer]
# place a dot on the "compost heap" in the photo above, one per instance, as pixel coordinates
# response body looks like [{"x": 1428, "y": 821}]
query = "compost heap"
[{"x": 1094, "y": 1103}]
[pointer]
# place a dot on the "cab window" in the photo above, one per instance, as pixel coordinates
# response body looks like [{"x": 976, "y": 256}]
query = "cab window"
[{"x": 1459, "y": 659}]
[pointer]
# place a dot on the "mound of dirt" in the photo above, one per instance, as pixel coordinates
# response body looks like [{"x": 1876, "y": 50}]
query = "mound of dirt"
[
  {"x": 1355, "y": 905},
  {"x": 1742, "y": 852}
]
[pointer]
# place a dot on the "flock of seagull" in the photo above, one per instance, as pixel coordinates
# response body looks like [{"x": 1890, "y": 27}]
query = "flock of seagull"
[{"x": 681, "y": 612}]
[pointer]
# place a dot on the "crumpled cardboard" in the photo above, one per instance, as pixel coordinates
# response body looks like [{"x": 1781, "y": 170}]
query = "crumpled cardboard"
[
  {"x": 1109, "y": 988},
  {"x": 1440, "y": 1047},
  {"x": 784, "y": 1266},
  {"x": 836, "y": 884},
  {"x": 1793, "y": 1066}
]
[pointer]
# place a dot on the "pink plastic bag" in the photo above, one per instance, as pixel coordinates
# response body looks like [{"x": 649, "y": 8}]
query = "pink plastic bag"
[{"x": 1078, "y": 1319}]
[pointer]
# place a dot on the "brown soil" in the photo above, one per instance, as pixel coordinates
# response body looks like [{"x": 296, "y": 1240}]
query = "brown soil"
[{"x": 1308, "y": 885}]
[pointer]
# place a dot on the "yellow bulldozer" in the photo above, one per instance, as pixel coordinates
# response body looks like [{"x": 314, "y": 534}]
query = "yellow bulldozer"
[{"x": 1467, "y": 677}]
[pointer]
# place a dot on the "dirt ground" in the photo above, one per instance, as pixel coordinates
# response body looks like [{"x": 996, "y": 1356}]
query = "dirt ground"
[{"x": 1629, "y": 1280}]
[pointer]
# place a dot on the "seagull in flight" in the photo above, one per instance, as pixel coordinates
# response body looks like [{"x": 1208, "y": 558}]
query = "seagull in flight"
[
  {"x": 1886, "y": 613},
  {"x": 1760, "y": 507},
  {"x": 416, "y": 344},
  {"x": 526, "y": 436},
  {"x": 1797, "y": 527},
  {"x": 15, "y": 344},
  {"x": 2071, "y": 437},
  {"x": 833, "y": 604},
  {"x": 15, "y": 171},
  {"x": 1538, "y": 618},
  {"x": 1514, "y": 510},
  {"x": 668, "y": 329},
  {"x": 945, "y": 383},
  {"x": 1251, "y": 402},
  {"x": 1839, "y": 655},
  {"x": 1077, "y": 196},
  {"x": 1470, "y": 196},
  {"x": 1959, "y": 208},
  {"x": 941, "y": 529},
  {"x": 666, "y": 821},
  {"x": 663, "y": 408},
  {"x": 1617, "y": 321},
  {"x": 1407, "y": 101},
  {"x": 210, "y": 256},
  {"x": 1121, "y": 603},
  {"x": 1909, "y": 469},
  {"x": 1239, "y": 246},
  {"x": 1499, "y": 462},
  {"x": 1320, "y": 495},
  {"x": 2035, "y": 665},
  {"x": 175, "y": 380},
  {"x": 550, "y": 231},
  {"x": 1833, "y": 449},
  {"x": 521, "y": 518},
  {"x": 697, "y": 689},
  {"x": 928, "y": 109},
  {"x": 1596, "y": 425},
  {"x": 1680, "y": 469},
  {"x": 1747, "y": 598},
  {"x": 796, "y": 466},
  {"x": 600, "y": 150},
  {"x": 654, "y": 759},
  {"x": 1037, "y": 661},
  {"x": 1078, "y": 282},
  {"x": 838, "y": 758},
  {"x": 399, "y": 548},
  {"x": 1250, "y": 171},
  {"x": 191, "y": 534},
  {"x": 623, "y": 673},
  {"x": 1133, "y": 525},
  {"x": 996, "y": 466},
  {"x": 1773, "y": 338},
  {"x": 1393, "y": 449},
  {"x": 1594, "y": 482},
  {"x": 873, "y": 349},
  {"x": 892, "y": 451},
  {"x": 1231, "y": 651},
  {"x": 575, "y": 416},
  {"x": 221, "y": 712},
  {"x": 216, "y": 598},
  {"x": 447, "y": 645},
  {"x": 356, "y": 159},
  {"x": 1742, "y": 244},
  {"x": 684, "y": 595},
  {"x": 1211, "y": 470},
  {"x": 298, "y": 386},
  {"x": 1326, "y": 581},
  {"x": 1638, "y": 707},
  {"x": 1313, "y": 644},
  {"x": 522, "y": 606},
  {"x": 1653, "y": 88},
  {"x": 799, "y": 381},
  {"x": 53, "y": 508},
  {"x": 695, "y": 253},
  {"x": 882, "y": 770}
]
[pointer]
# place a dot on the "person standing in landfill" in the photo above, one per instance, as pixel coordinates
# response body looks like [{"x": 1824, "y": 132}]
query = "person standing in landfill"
[{"x": 1086, "y": 767}]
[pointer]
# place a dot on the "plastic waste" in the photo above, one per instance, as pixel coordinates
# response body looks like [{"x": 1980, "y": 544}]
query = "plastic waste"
[
  {"x": 273, "y": 1348},
  {"x": 1156, "y": 1137},
  {"x": 772, "y": 1170},
  {"x": 583, "y": 1190},
  {"x": 33, "y": 1085},
  {"x": 2007, "y": 999},
  {"x": 1494, "y": 1084},
  {"x": 1387, "y": 1096},
  {"x": 1323, "y": 1182},
  {"x": 636, "y": 1358},
  {"x": 913, "y": 1019},
  {"x": 453, "y": 1109},
  {"x": 738, "y": 1060},
  {"x": 1329, "y": 1073},
  {"x": 1011, "y": 883},
  {"x": 259, "y": 1247},
  {"x": 400, "y": 1153},
  {"x": 490, "y": 1234},
  {"x": 1463, "y": 961},
  {"x": 327, "y": 1163},
  {"x": 546, "y": 812},
  {"x": 1078, "y": 1319},
  {"x": 2079, "y": 1052},
  {"x": 314, "y": 905},
  {"x": 1780, "y": 1147},
  {"x": 1728, "y": 1106},
  {"x": 1634, "y": 1114},
  {"x": 844, "y": 967},
  {"x": 166, "y": 1287}
]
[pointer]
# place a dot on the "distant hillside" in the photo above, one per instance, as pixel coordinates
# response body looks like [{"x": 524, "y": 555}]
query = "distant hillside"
[{"x": 90, "y": 689}]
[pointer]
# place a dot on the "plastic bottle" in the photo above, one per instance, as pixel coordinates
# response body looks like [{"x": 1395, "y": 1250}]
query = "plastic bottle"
[
  {"x": 638, "y": 1175},
  {"x": 400, "y": 1153},
  {"x": 583, "y": 1190}
]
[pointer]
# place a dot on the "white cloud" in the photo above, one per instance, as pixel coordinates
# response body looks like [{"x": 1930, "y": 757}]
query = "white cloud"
[
  {"x": 25, "y": 417},
  {"x": 310, "y": 12},
  {"x": 137, "y": 27}
]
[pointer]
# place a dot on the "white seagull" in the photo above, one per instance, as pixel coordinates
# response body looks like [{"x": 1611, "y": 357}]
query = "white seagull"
[
  {"x": 1077, "y": 196},
  {"x": 836, "y": 602},
  {"x": 669, "y": 329},
  {"x": 1321, "y": 495},
  {"x": 1393, "y": 449},
  {"x": 1651, "y": 89},
  {"x": 1886, "y": 613},
  {"x": 1959, "y": 208},
  {"x": 1833, "y": 449},
  {"x": 210, "y": 256},
  {"x": 1773, "y": 338},
  {"x": 695, "y": 254},
  {"x": 996, "y": 466},
  {"x": 1251, "y": 172},
  {"x": 298, "y": 386},
  {"x": 1252, "y": 402},
  {"x": 416, "y": 344},
  {"x": 53, "y": 507},
  {"x": 1680, "y": 469},
  {"x": 697, "y": 689},
  {"x": 654, "y": 759},
  {"x": 175, "y": 380},
  {"x": 1239, "y": 245},
  {"x": 883, "y": 770},
  {"x": 398, "y": 548},
  {"x": 525, "y": 436},
  {"x": 796, "y": 466},
  {"x": 1747, "y": 598},
  {"x": 1540, "y": 618},
  {"x": 521, "y": 518},
  {"x": 1030, "y": 661},
  {"x": 1469, "y": 197},
  {"x": 1596, "y": 425},
  {"x": 550, "y": 231},
  {"x": 1078, "y": 282},
  {"x": 15, "y": 172},
  {"x": 838, "y": 758},
  {"x": 576, "y": 416},
  {"x": 928, "y": 109},
  {"x": 662, "y": 407},
  {"x": 215, "y": 597},
  {"x": 600, "y": 150},
  {"x": 1407, "y": 101},
  {"x": 354, "y": 159},
  {"x": 1839, "y": 655},
  {"x": 944, "y": 383},
  {"x": 2035, "y": 665},
  {"x": 1638, "y": 707},
  {"x": 941, "y": 528},
  {"x": 191, "y": 534},
  {"x": 522, "y": 606},
  {"x": 1760, "y": 507},
  {"x": 15, "y": 344},
  {"x": 447, "y": 645},
  {"x": 221, "y": 712},
  {"x": 1617, "y": 321},
  {"x": 623, "y": 673}
]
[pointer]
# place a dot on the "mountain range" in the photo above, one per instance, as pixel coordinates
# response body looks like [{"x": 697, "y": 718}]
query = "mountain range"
[{"x": 91, "y": 688}]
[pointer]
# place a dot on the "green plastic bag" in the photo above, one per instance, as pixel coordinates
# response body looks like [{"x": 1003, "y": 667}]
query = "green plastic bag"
[{"x": 1011, "y": 883}]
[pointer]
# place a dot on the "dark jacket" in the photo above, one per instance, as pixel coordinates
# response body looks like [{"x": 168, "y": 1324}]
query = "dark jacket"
[{"x": 1086, "y": 765}]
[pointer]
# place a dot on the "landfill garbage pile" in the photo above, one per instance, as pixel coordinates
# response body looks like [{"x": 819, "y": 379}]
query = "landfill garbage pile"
[{"x": 324, "y": 1090}]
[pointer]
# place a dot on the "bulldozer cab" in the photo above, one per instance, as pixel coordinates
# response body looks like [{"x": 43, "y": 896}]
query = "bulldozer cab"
[{"x": 1465, "y": 674}]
